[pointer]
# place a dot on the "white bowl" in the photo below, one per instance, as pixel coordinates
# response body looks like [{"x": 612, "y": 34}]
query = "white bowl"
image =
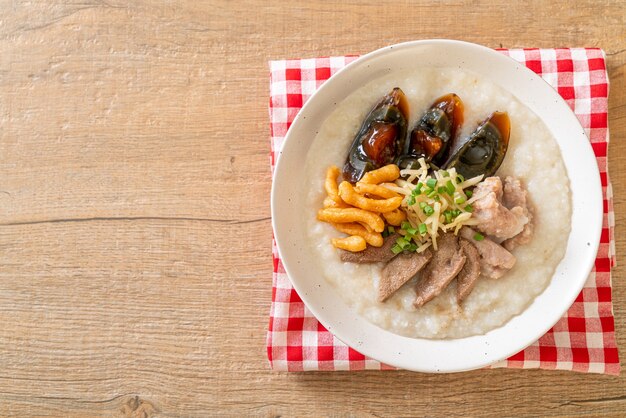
[{"x": 419, "y": 354}]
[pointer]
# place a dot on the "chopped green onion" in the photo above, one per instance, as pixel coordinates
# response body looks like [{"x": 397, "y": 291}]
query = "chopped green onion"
[
  {"x": 411, "y": 200},
  {"x": 396, "y": 249},
  {"x": 431, "y": 183},
  {"x": 405, "y": 225},
  {"x": 441, "y": 190},
  {"x": 451, "y": 214},
  {"x": 403, "y": 242},
  {"x": 418, "y": 188},
  {"x": 391, "y": 229},
  {"x": 411, "y": 231},
  {"x": 433, "y": 193},
  {"x": 468, "y": 193},
  {"x": 428, "y": 210},
  {"x": 460, "y": 200},
  {"x": 460, "y": 178},
  {"x": 450, "y": 187},
  {"x": 479, "y": 237},
  {"x": 385, "y": 233},
  {"x": 445, "y": 173},
  {"x": 422, "y": 228},
  {"x": 469, "y": 208},
  {"x": 412, "y": 248},
  {"x": 423, "y": 205}
]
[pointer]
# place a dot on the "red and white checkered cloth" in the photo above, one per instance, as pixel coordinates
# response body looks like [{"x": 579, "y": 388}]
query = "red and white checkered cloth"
[{"x": 583, "y": 340}]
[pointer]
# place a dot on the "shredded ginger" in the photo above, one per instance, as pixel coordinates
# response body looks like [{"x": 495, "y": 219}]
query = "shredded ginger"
[{"x": 439, "y": 201}]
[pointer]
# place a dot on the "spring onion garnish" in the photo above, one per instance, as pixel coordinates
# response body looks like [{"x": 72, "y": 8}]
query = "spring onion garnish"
[
  {"x": 407, "y": 242},
  {"x": 450, "y": 187},
  {"x": 479, "y": 237},
  {"x": 435, "y": 202}
]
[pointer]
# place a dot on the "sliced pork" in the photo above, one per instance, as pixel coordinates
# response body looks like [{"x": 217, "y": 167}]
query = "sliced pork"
[
  {"x": 469, "y": 274},
  {"x": 446, "y": 263},
  {"x": 515, "y": 195},
  {"x": 400, "y": 270},
  {"x": 371, "y": 254},
  {"x": 494, "y": 218},
  {"x": 495, "y": 261}
]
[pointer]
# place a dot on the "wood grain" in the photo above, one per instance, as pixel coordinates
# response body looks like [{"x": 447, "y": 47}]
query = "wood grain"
[{"x": 135, "y": 268}]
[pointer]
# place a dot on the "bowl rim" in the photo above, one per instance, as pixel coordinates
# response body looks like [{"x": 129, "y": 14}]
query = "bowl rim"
[{"x": 408, "y": 360}]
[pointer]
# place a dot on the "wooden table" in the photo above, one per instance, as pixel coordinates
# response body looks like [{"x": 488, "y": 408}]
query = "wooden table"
[{"x": 135, "y": 268}]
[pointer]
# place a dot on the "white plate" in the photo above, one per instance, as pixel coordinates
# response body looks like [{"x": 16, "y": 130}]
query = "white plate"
[{"x": 423, "y": 354}]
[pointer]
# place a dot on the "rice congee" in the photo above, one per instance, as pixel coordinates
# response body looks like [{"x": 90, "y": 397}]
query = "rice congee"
[{"x": 533, "y": 157}]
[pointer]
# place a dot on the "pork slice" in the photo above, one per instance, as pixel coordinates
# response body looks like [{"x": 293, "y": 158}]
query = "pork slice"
[
  {"x": 400, "y": 270},
  {"x": 522, "y": 238},
  {"x": 494, "y": 218},
  {"x": 469, "y": 274},
  {"x": 515, "y": 195},
  {"x": 495, "y": 261},
  {"x": 371, "y": 254},
  {"x": 446, "y": 263}
]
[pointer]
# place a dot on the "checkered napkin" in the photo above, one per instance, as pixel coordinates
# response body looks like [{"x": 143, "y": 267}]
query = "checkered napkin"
[{"x": 583, "y": 340}]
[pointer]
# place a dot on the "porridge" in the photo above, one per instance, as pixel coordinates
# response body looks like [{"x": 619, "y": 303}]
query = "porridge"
[{"x": 533, "y": 157}]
